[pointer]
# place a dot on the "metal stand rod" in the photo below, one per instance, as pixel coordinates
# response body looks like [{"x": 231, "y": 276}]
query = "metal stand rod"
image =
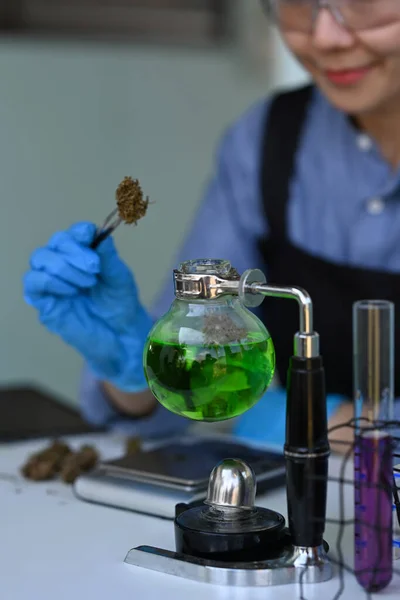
[
  {"x": 253, "y": 288},
  {"x": 294, "y": 293}
]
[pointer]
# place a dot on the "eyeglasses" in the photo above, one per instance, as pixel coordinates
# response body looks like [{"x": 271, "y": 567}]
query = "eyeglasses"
[{"x": 357, "y": 15}]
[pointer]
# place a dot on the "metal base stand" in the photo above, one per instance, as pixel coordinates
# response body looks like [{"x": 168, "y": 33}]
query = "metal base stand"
[
  {"x": 221, "y": 541},
  {"x": 294, "y": 565}
]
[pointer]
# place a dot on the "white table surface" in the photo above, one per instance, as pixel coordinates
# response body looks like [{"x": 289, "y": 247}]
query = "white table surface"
[{"x": 56, "y": 547}]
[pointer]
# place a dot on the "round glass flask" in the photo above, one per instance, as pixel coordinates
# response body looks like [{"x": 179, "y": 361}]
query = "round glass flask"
[{"x": 208, "y": 358}]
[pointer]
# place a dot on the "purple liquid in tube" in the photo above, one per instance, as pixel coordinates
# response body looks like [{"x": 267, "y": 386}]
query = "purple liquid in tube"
[
  {"x": 373, "y": 510},
  {"x": 373, "y": 365}
]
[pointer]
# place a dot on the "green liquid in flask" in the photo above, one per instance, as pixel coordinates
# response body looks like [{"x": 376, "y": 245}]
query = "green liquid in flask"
[{"x": 210, "y": 383}]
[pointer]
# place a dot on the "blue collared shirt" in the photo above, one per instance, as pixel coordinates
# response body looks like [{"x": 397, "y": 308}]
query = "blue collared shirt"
[{"x": 344, "y": 206}]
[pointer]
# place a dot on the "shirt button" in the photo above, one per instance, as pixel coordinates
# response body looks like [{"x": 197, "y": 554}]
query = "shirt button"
[
  {"x": 375, "y": 206},
  {"x": 364, "y": 142}
]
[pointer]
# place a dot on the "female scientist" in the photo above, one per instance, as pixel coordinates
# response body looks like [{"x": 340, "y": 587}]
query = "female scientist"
[{"x": 306, "y": 187}]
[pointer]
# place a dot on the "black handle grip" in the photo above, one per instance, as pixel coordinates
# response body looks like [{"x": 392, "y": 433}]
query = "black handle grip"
[
  {"x": 100, "y": 238},
  {"x": 306, "y": 451}
]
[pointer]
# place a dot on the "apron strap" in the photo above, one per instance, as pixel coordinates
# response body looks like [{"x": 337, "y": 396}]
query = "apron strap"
[{"x": 283, "y": 129}]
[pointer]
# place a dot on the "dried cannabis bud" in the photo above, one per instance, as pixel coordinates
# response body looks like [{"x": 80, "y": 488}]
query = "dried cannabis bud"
[
  {"x": 221, "y": 329},
  {"x": 45, "y": 465},
  {"x": 77, "y": 463},
  {"x": 37, "y": 470},
  {"x": 58, "y": 458},
  {"x": 131, "y": 203}
]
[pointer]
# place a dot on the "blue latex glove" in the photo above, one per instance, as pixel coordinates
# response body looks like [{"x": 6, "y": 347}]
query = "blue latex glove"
[
  {"x": 90, "y": 299},
  {"x": 266, "y": 421}
]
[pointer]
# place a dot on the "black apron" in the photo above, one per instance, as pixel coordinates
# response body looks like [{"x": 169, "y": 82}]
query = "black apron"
[{"x": 333, "y": 287}]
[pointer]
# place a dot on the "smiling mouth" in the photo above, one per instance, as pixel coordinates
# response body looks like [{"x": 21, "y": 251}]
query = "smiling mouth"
[{"x": 350, "y": 76}]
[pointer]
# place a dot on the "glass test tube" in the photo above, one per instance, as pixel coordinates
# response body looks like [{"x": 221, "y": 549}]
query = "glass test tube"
[
  {"x": 396, "y": 513},
  {"x": 373, "y": 362}
]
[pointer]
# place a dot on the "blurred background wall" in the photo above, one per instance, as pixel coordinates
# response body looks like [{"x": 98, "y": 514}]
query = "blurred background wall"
[{"x": 75, "y": 117}]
